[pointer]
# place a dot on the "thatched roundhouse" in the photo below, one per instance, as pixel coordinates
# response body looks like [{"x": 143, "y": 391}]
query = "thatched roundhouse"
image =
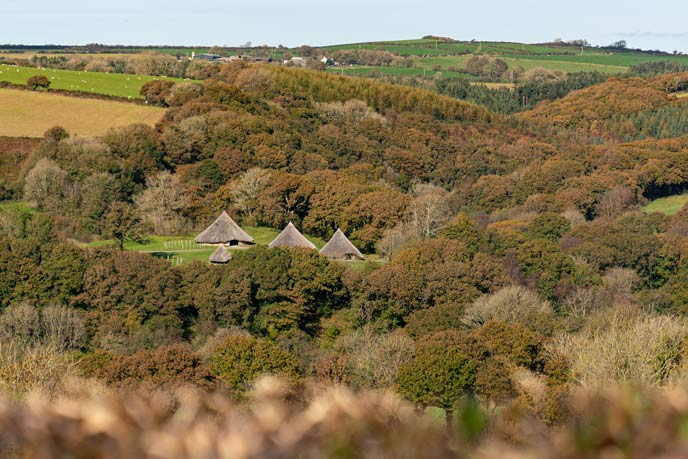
[
  {"x": 224, "y": 230},
  {"x": 221, "y": 255},
  {"x": 291, "y": 237},
  {"x": 339, "y": 247}
]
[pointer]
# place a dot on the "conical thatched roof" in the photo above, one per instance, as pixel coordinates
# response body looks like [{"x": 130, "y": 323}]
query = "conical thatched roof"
[
  {"x": 220, "y": 255},
  {"x": 339, "y": 247},
  {"x": 223, "y": 231},
  {"x": 290, "y": 237}
]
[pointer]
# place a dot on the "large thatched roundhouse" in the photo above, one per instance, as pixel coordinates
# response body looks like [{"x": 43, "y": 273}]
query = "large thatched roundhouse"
[
  {"x": 291, "y": 237},
  {"x": 339, "y": 247},
  {"x": 224, "y": 230},
  {"x": 221, "y": 255}
]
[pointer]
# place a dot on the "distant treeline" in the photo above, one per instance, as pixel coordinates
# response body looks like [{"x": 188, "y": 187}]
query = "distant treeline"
[
  {"x": 523, "y": 96},
  {"x": 527, "y": 94}
]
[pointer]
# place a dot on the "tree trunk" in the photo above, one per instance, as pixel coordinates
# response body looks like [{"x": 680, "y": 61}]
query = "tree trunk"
[{"x": 449, "y": 418}]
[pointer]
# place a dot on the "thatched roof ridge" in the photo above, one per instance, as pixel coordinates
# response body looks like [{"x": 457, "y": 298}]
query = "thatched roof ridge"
[
  {"x": 222, "y": 231},
  {"x": 340, "y": 247},
  {"x": 291, "y": 237},
  {"x": 220, "y": 255}
]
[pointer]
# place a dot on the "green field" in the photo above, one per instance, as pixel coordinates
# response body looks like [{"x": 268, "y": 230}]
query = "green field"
[
  {"x": 111, "y": 84},
  {"x": 668, "y": 206},
  {"x": 570, "y": 64},
  {"x": 432, "y": 53},
  {"x": 365, "y": 70}
]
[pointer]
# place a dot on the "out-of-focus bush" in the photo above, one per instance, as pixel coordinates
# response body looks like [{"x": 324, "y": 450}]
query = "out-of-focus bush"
[{"x": 97, "y": 423}]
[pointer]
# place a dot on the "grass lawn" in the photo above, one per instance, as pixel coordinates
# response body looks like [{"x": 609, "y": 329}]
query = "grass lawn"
[
  {"x": 668, "y": 206},
  {"x": 371, "y": 263},
  {"x": 30, "y": 114},
  {"x": 113, "y": 84}
]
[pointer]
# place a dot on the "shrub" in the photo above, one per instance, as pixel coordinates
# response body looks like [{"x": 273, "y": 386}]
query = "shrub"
[
  {"x": 515, "y": 342},
  {"x": 20, "y": 323},
  {"x": 37, "y": 368},
  {"x": 165, "y": 366},
  {"x": 38, "y": 82},
  {"x": 239, "y": 360},
  {"x": 622, "y": 346},
  {"x": 63, "y": 327},
  {"x": 549, "y": 226},
  {"x": 443, "y": 317},
  {"x": 493, "y": 380},
  {"x": 155, "y": 92},
  {"x": 462, "y": 228},
  {"x": 511, "y": 304},
  {"x": 372, "y": 359},
  {"x": 437, "y": 376}
]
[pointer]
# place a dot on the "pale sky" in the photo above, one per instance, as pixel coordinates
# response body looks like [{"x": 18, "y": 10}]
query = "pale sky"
[{"x": 647, "y": 24}]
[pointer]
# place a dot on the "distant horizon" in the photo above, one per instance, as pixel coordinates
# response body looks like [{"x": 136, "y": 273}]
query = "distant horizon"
[
  {"x": 660, "y": 26},
  {"x": 272, "y": 45}
]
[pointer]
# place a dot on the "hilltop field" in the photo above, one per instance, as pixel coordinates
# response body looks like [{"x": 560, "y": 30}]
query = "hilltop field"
[
  {"x": 442, "y": 55},
  {"x": 109, "y": 84}
]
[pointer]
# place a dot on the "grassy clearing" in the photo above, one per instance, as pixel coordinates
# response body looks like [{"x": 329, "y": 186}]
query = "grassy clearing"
[
  {"x": 183, "y": 249},
  {"x": 494, "y": 85},
  {"x": 668, "y": 206},
  {"x": 30, "y": 114},
  {"x": 15, "y": 206},
  {"x": 111, "y": 84}
]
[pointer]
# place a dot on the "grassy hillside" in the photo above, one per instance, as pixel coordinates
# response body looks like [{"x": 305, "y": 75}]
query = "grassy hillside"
[
  {"x": 112, "y": 84},
  {"x": 30, "y": 114},
  {"x": 667, "y": 206},
  {"x": 441, "y": 55}
]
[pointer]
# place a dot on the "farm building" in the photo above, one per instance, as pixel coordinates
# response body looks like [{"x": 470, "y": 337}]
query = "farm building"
[
  {"x": 339, "y": 247},
  {"x": 224, "y": 230},
  {"x": 291, "y": 237},
  {"x": 296, "y": 60},
  {"x": 221, "y": 255},
  {"x": 205, "y": 57}
]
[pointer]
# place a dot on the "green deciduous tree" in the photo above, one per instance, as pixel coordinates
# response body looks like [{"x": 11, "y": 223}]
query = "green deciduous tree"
[
  {"x": 437, "y": 376},
  {"x": 239, "y": 360},
  {"x": 122, "y": 223}
]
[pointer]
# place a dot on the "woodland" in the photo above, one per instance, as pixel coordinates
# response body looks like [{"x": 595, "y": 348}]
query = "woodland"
[{"x": 517, "y": 274}]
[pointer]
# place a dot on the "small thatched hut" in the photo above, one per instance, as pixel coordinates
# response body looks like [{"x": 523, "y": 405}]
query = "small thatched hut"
[
  {"x": 224, "y": 230},
  {"x": 290, "y": 237},
  {"x": 221, "y": 255},
  {"x": 339, "y": 247}
]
